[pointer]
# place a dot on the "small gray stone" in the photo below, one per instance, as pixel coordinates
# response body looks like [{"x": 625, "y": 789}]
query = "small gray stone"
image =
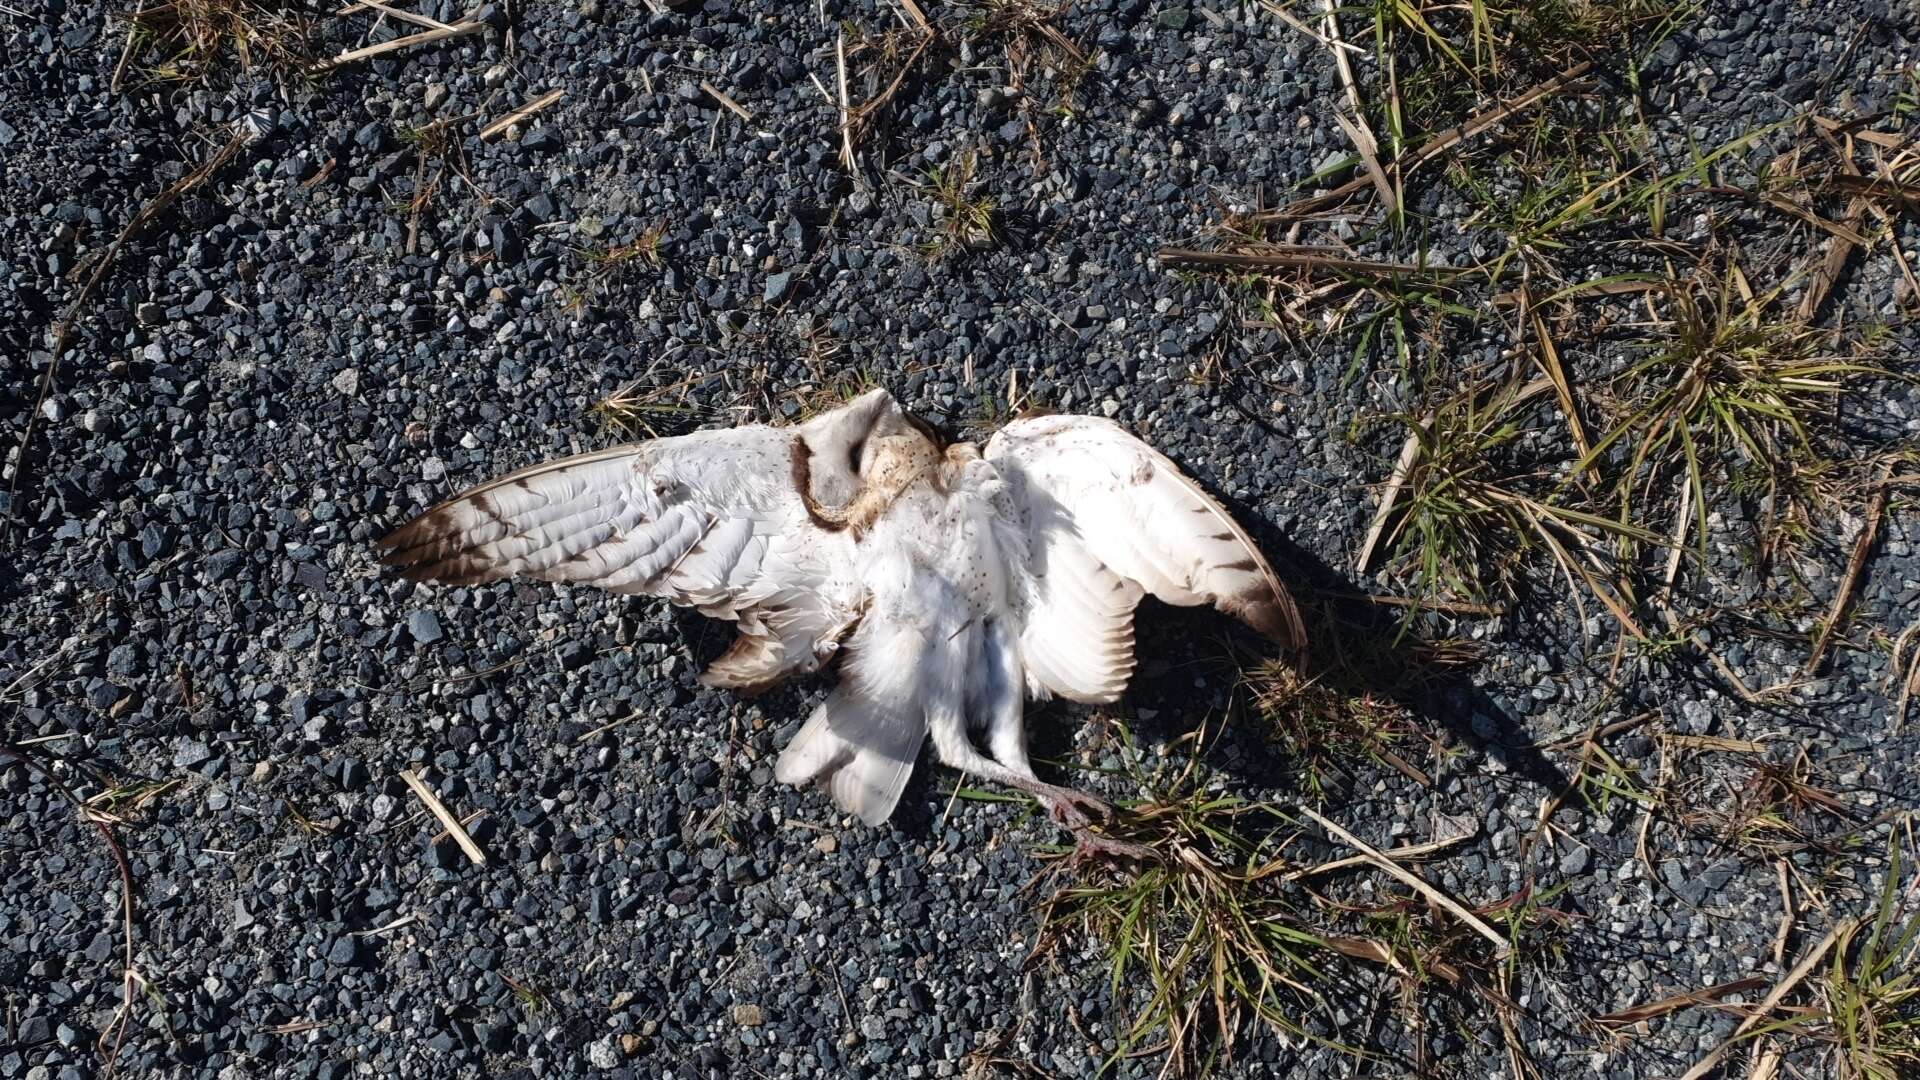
[
  {"x": 778, "y": 285},
  {"x": 189, "y": 753},
  {"x": 424, "y": 625},
  {"x": 347, "y": 381},
  {"x": 1575, "y": 861}
]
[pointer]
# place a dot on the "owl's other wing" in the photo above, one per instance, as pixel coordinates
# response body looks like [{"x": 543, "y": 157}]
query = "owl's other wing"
[
  {"x": 1106, "y": 517},
  {"x": 710, "y": 520}
]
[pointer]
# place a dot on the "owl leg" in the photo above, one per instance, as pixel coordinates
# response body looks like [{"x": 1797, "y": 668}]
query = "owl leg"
[
  {"x": 1004, "y": 704},
  {"x": 1073, "y": 810}
]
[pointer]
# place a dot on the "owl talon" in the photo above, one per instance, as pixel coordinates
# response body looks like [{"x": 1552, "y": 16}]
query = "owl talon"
[
  {"x": 1077, "y": 812},
  {"x": 1091, "y": 847},
  {"x": 1072, "y": 809}
]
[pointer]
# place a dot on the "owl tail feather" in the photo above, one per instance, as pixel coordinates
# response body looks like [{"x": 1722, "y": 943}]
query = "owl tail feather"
[{"x": 861, "y": 742}]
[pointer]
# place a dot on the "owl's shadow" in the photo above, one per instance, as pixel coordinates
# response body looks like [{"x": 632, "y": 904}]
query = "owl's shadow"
[{"x": 1199, "y": 667}]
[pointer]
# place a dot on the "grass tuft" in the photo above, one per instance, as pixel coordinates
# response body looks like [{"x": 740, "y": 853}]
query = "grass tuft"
[
  {"x": 122, "y": 802},
  {"x": 1730, "y": 400},
  {"x": 437, "y": 147},
  {"x": 1467, "y": 514},
  {"x": 964, "y": 219},
  {"x": 530, "y": 997},
  {"x": 1324, "y": 725},
  {"x": 191, "y": 41},
  {"x": 831, "y": 393},
  {"x": 1866, "y": 1003},
  {"x": 605, "y": 265},
  {"x": 651, "y": 412},
  {"x": 1242, "y": 927},
  {"x": 1202, "y": 943}
]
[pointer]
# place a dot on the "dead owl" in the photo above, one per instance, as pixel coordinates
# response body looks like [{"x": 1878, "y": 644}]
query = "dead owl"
[{"x": 954, "y": 585}]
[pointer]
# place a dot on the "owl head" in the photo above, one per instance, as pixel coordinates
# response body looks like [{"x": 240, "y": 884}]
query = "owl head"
[{"x": 861, "y": 454}]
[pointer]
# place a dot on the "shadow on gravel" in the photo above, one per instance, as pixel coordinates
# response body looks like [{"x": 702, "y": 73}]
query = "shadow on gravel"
[{"x": 1345, "y": 632}]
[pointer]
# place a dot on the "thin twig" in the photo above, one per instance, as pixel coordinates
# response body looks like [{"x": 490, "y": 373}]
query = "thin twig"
[
  {"x": 1501, "y": 946},
  {"x": 1294, "y": 21},
  {"x": 1556, "y": 372},
  {"x": 1652, "y": 1009},
  {"x": 62, "y": 333},
  {"x": 1281, "y": 257},
  {"x": 847, "y": 158},
  {"x": 439, "y": 810},
  {"x": 459, "y": 29},
  {"x": 1786, "y": 914},
  {"x": 1361, "y": 136},
  {"x": 1909, "y": 680},
  {"x": 443, "y": 834},
  {"x": 398, "y": 13},
  {"x": 1437, "y": 145},
  {"x": 919, "y": 17},
  {"x": 1402, "y": 469},
  {"x": 126, "y": 49},
  {"x": 1445, "y": 607},
  {"x": 1779, "y": 992},
  {"x": 1849, "y": 581},
  {"x": 1355, "y": 127},
  {"x": 495, "y": 129},
  {"x": 130, "y": 977},
  {"x": 610, "y": 725},
  {"x": 1406, "y": 851},
  {"x": 733, "y": 106},
  {"x": 1835, "y": 261}
]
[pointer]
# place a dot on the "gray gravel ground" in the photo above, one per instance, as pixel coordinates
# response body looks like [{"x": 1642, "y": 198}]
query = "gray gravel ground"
[{"x": 270, "y": 379}]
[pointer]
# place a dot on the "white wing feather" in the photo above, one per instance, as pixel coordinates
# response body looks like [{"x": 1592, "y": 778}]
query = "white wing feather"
[
  {"x": 1107, "y": 517},
  {"x": 708, "y": 520}
]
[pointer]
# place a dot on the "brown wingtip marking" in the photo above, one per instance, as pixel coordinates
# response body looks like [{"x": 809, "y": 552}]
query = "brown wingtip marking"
[
  {"x": 1247, "y": 565},
  {"x": 1271, "y": 612},
  {"x": 743, "y": 655},
  {"x": 485, "y": 505}
]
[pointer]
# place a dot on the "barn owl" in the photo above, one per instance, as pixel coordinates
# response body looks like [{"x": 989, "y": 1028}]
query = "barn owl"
[{"x": 951, "y": 585}]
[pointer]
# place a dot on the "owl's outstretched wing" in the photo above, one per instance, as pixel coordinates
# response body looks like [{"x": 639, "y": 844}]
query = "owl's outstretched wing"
[
  {"x": 1108, "y": 517},
  {"x": 710, "y": 520}
]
